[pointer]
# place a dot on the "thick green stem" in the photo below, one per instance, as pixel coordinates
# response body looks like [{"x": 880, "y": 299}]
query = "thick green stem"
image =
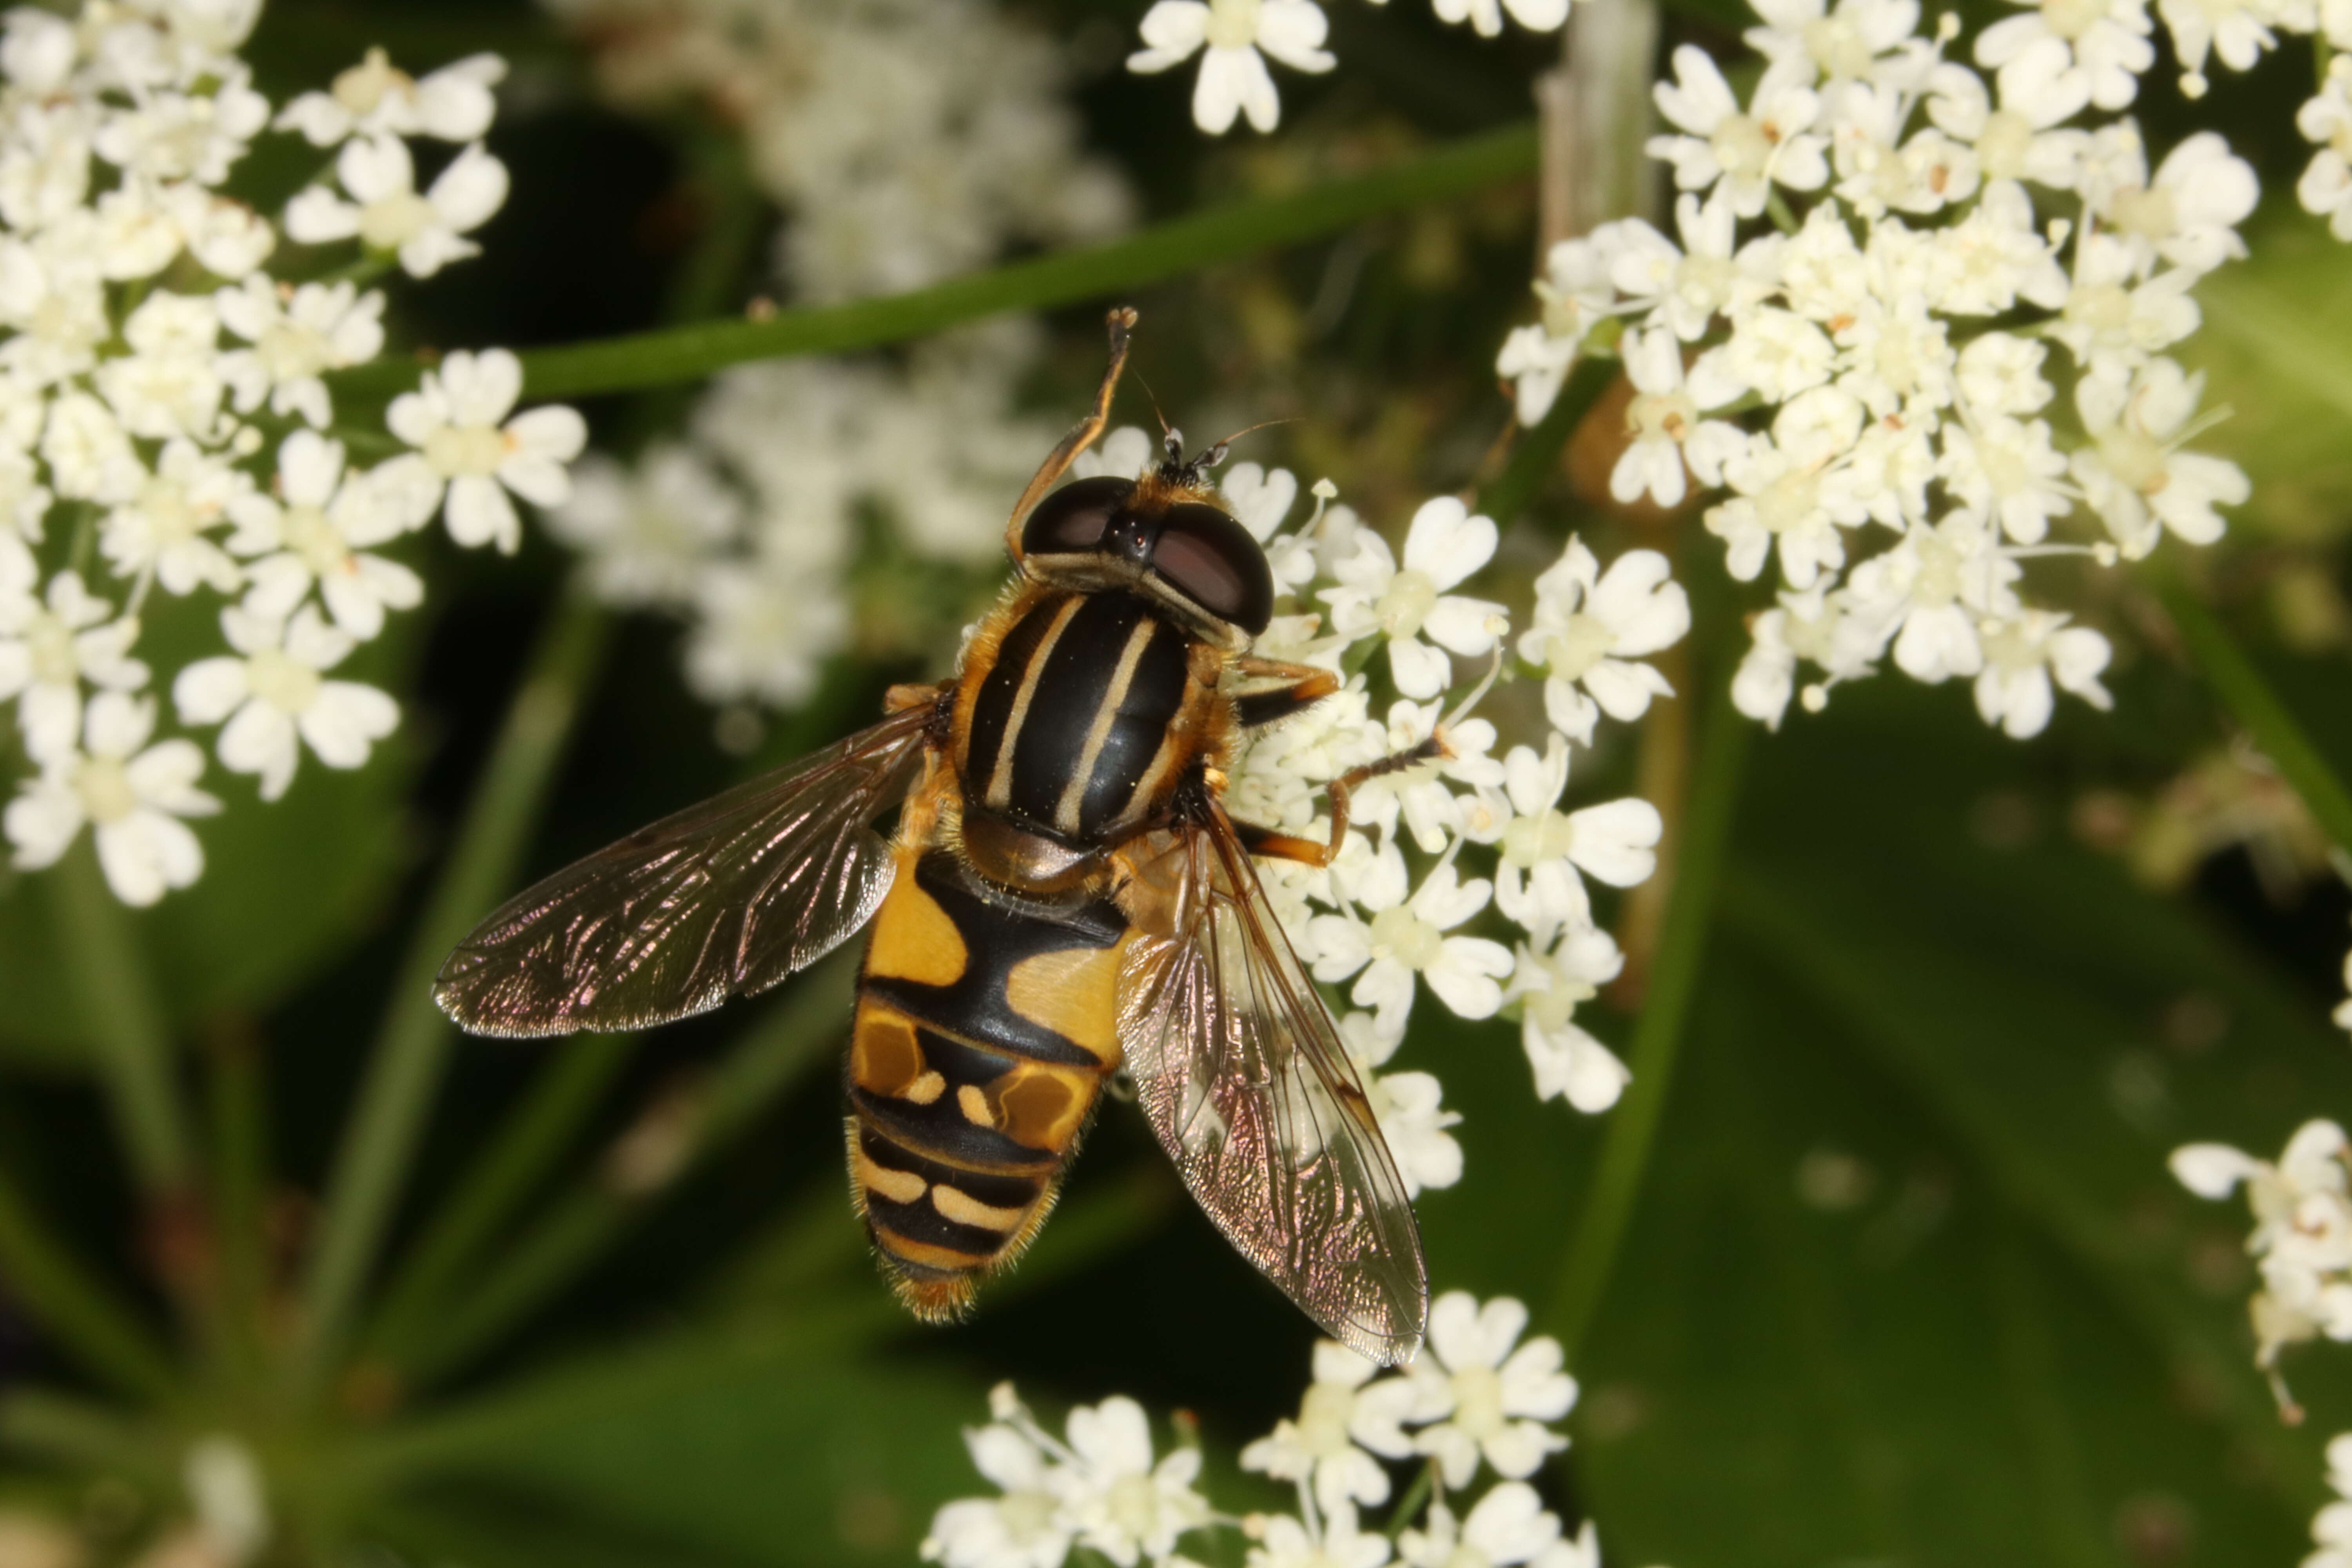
[
  {"x": 1164, "y": 250},
  {"x": 496, "y": 1186},
  {"x": 2237, "y": 680},
  {"x": 1657, "y": 1036},
  {"x": 372, "y": 1164},
  {"x": 49, "y": 1286},
  {"x": 126, "y": 1024},
  {"x": 561, "y": 1244}
]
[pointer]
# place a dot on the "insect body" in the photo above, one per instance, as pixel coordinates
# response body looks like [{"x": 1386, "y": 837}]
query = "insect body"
[{"x": 1065, "y": 897}]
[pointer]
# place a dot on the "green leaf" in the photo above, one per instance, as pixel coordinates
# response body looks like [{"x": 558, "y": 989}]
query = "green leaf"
[
  {"x": 1911, "y": 1281},
  {"x": 2276, "y": 350},
  {"x": 745, "y": 1447},
  {"x": 286, "y": 886}
]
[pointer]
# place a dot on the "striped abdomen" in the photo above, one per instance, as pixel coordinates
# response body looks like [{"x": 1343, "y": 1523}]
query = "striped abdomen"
[
  {"x": 1078, "y": 726},
  {"x": 984, "y": 1031}
]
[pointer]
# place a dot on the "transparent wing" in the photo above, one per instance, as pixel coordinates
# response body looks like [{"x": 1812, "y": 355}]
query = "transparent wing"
[
  {"x": 1245, "y": 1081},
  {"x": 724, "y": 898}
]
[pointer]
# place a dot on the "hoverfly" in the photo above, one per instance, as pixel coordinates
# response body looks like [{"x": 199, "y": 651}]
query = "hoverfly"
[{"x": 1065, "y": 897}]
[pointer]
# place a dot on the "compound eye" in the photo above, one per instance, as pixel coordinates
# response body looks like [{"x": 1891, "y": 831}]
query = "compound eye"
[
  {"x": 1071, "y": 520},
  {"x": 1211, "y": 559}
]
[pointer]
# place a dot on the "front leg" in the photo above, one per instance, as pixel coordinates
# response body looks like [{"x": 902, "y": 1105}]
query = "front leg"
[{"x": 1304, "y": 686}]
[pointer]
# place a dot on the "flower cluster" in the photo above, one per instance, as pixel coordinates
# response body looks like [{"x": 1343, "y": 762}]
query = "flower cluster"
[
  {"x": 166, "y": 430},
  {"x": 1234, "y": 39},
  {"x": 1476, "y": 1399},
  {"x": 2301, "y": 1240},
  {"x": 1387, "y": 918},
  {"x": 1941, "y": 357},
  {"x": 905, "y": 142},
  {"x": 2332, "y": 1530},
  {"x": 748, "y": 528}
]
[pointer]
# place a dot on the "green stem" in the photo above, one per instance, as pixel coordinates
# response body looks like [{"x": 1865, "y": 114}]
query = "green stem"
[
  {"x": 2238, "y": 682},
  {"x": 49, "y": 1286},
  {"x": 1181, "y": 244},
  {"x": 500, "y": 1181},
  {"x": 561, "y": 1244},
  {"x": 88, "y": 1436},
  {"x": 1536, "y": 453},
  {"x": 239, "y": 1166},
  {"x": 1657, "y": 1036},
  {"x": 372, "y": 1163},
  {"x": 127, "y": 1027},
  {"x": 1425, "y": 1482}
]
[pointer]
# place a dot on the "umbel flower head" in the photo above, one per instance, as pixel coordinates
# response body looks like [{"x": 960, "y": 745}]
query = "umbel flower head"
[{"x": 159, "y": 378}]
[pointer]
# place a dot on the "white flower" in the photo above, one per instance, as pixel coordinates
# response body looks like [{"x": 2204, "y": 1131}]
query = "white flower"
[
  {"x": 1788, "y": 494},
  {"x": 49, "y": 647},
  {"x": 1508, "y": 1526},
  {"x": 317, "y": 529},
  {"x": 2000, "y": 374},
  {"x": 1590, "y": 631},
  {"x": 297, "y": 333},
  {"x": 1664, "y": 419},
  {"x": 1548, "y": 987},
  {"x": 454, "y": 421},
  {"x": 2134, "y": 474},
  {"x": 2236, "y": 30},
  {"x": 1859, "y": 40},
  {"x": 1347, "y": 1409},
  {"x": 2302, "y": 1241},
  {"x": 2187, "y": 215},
  {"x": 2107, "y": 43},
  {"x": 2021, "y": 138},
  {"x": 168, "y": 385},
  {"x": 1446, "y": 544},
  {"x": 1931, "y": 592},
  {"x": 1233, "y": 79},
  {"x": 1123, "y": 454},
  {"x": 2006, "y": 472},
  {"x": 1123, "y": 1504},
  {"x": 1405, "y": 937},
  {"x": 2326, "y": 188},
  {"x": 1576, "y": 292},
  {"x": 2021, "y": 656},
  {"x": 1747, "y": 151},
  {"x": 1489, "y": 1399},
  {"x": 1024, "y": 1528},
  {"x": 1809, "y": 627},
  {"x": 376, "y": 97},
  {"x": 648, "y": 531},
  {"x": 273, "y": 692},
  {"x": 1615, "y": 841},
  {"x": 1485, "y": 16},
  {"x": 132, "y": 795},
  {"x": 758, "y": 631},
  {"x": 386, "y": 214},
  {"x": 1285, "y": 1543},
  {"x": 164, "y": 528},
  {"x": 1685, "y": 287},
  {"x": 1409, "y": 1107}
]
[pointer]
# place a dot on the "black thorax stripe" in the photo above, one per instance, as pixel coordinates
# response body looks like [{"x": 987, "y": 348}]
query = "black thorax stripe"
[{"x": 1086, "y": 700}]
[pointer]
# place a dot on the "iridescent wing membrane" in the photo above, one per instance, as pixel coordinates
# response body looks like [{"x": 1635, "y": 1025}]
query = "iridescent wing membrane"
[
  {"x": 725, "y": 899},
  {"x": 1245, "y": 1079}
]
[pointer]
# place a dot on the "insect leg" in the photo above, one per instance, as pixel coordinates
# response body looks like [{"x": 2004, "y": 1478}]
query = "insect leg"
[
  {"x": 1121, "y": 321},
  {"x": 1306, "y": 686},
  {"x": 1266, "y": 842}
]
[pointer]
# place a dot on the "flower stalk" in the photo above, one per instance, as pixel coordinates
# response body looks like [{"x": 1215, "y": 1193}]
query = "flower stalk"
[
  {"x": 372, "y": 1164},
  {"x": 2238, "y": 682},
  {"x": 127, "y": 1030},
  {"x": 675, "y": 354},
  {"x": 1657, "y": 1036}
]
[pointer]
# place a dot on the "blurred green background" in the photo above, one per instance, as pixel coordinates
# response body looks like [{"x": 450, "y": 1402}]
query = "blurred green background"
[{"x": 1906, "y": 1283}]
